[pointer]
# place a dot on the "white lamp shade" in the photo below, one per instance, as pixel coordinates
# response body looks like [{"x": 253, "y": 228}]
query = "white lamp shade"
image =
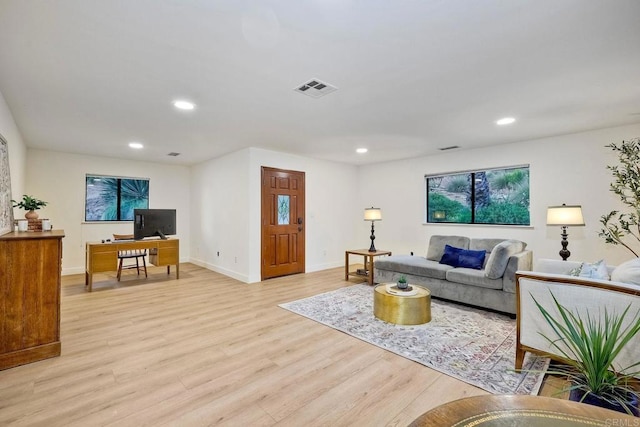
[
  {"x": 565, "y": 215},
  {"x": 372, "y": 214}
]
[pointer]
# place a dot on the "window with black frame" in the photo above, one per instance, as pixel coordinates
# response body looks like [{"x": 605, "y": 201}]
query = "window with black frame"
[
  {"x": 492, "y": 196},
  {"x": 109, "y": 198}
]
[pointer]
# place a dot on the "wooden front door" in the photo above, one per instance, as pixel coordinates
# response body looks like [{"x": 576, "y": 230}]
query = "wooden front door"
[{"x": 283, "y": 222}]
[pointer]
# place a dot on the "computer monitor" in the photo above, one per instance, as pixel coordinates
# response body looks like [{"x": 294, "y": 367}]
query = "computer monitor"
[{"x": 153, "y": 222}]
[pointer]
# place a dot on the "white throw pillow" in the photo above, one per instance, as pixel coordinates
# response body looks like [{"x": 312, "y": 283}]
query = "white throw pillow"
[
  {"x": 596, "y": 270},
  {"x": 627, "y": 272}
]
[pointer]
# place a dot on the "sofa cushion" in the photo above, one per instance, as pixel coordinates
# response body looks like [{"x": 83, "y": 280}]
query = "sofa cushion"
[
  {"x": 484, "y": 244},
  {"x": 468, "y": 276},
  {"x": 595, "y": 270},
  {"x": 497, "y": 262},
  {"x": 413, "y": 265},
  {"x": 591, "y": 270},
  {"x": 627, "y": 272},
  {"x": 458, "y": 257},
  {"x": 437, "y": 244}
]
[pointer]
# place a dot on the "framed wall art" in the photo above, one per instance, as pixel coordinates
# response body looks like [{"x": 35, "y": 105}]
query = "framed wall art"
[{"x": 6, "y": 207}]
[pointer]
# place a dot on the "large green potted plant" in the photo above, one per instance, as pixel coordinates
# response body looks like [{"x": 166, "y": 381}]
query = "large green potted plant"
[
  {"x": 589, "y": 344},
  {"x": 623, "y": 228},
  {"x": 29, "y": 204}
]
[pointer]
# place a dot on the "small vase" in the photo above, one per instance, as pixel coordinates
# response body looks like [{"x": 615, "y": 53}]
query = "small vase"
[
  {"x": 31, "y": 215},
  {"x": 591, "y": 399},
  {"x": 402, "y": 285}
]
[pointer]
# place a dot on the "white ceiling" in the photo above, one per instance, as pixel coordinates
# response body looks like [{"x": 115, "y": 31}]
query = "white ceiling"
[{"x": 89, "y": 76}]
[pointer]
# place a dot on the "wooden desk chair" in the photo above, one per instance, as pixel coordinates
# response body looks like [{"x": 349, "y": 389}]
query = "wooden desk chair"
[{"x": 129, "y": 254}]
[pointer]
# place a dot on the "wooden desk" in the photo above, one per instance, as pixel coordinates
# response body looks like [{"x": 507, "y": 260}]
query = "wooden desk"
[
  {"x": 101, "y": 257},
  {"x": 532, "y": 411},
  {"x": 30, "y": 267},
  {"x": 368, "y": 263}
]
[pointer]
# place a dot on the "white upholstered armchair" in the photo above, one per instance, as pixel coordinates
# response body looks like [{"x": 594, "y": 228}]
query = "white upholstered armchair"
[{"x": 579, "y": 294}]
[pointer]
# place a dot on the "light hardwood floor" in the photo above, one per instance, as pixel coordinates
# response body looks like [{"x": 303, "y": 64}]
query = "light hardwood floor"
[{"x": 209, "y": 350}]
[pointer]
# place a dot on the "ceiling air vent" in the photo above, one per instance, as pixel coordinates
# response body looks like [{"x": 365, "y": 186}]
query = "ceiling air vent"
[
  {"x": 173, "y": 154},
  {"x": 451, "y": 147},
  {"x": 315, "y": 88}
]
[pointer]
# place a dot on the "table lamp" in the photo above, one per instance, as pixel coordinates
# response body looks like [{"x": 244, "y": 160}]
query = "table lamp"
[
  {"x": 564, "y": 216},
  {"x": 372, "y": 214}
]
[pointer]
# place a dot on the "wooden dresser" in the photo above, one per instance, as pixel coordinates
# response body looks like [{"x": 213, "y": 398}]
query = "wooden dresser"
[{"x": 30, "y": 267}]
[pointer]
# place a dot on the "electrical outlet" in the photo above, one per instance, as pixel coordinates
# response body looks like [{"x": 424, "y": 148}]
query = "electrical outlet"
[
  {"x": 218, "y": 253},
  {"x": 236, "y": 259}
]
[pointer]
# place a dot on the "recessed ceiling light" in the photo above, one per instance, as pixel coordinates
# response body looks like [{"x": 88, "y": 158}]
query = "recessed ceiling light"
[
  {"x": 505, "y": 121},
  {"x": 361, "y": 150},
  {"x": 184, "y": 105},
  {"x": 136, "y": 145}
]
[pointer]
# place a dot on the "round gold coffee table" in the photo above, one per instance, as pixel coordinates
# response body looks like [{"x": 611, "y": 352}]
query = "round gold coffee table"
[
  {"x": 401, "y": 309},
  {"x": 532, "y": 411}
]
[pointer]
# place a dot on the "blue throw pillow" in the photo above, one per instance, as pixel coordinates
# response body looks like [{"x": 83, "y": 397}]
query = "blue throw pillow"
[
  {"x": 471, "y": 259},
  {"x": 450, "y": 256},
  {"x": 458, "y": 257}
]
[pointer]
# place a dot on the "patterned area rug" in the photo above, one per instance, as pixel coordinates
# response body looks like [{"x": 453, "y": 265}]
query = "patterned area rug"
[{"x": 475, "y": 346}]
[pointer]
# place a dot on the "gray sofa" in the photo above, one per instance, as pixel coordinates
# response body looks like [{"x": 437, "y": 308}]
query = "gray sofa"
[{"x": 491, "y": 287}]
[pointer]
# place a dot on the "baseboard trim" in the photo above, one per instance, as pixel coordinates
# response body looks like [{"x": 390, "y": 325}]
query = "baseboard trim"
[
  {"x": 325, "y": 266},
  {"x": 233, "y": 274}
]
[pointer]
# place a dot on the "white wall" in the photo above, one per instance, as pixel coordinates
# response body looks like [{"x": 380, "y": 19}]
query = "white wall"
[
  {"x": 218, "y": 201},
  {"x": 331, "y": 208},
  {"x": 567, "y": 169},
  {"x": 220, "y": 215},
  {"x": 17, "y": 151},
  {"x": 226, "y": 211},
  {"x": 59, "y": 179}
]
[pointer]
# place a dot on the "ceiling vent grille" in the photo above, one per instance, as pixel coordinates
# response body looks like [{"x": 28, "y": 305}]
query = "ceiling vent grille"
[
  {"x": 315, "y": 88},
  {"x": 173, "y": 154},
  {"x": 451, "y": 147}
]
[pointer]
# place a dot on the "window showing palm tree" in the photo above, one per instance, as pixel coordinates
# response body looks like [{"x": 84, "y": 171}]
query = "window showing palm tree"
[{"x": 114, "y": 199}]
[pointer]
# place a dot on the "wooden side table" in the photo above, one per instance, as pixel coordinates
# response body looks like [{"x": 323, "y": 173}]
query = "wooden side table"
[{"x": 368, "y": 263}]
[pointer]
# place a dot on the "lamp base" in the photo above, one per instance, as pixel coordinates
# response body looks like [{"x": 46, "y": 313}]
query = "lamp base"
[
  {"x": 372, "y": 248},
  {"x": 564, "y": 252}
]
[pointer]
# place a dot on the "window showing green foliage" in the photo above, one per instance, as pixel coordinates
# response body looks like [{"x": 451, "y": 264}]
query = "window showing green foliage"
[
  {"x": 114, "y": 199},
  {"x": 493, "y": 196},
  {"x": 447, "y": 198}
]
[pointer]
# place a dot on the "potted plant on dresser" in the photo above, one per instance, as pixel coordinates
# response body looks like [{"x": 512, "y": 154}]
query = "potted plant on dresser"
[
  {"x": 589, "y": 345},
  {"x": 29, "y": 204}
]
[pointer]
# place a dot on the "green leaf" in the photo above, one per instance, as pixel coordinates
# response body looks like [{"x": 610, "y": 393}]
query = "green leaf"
[{"x": 590, "y": 343}]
